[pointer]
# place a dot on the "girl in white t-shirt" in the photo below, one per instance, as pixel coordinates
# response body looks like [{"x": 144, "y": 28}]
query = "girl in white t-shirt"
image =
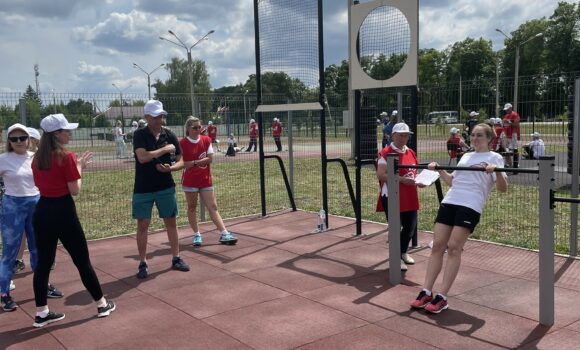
[
  {"x": 459, "y": 213},
  {"x": 119, "y": 140}
]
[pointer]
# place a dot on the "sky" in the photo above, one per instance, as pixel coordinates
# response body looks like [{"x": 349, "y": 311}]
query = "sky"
[{"x": 84, "y": 46}]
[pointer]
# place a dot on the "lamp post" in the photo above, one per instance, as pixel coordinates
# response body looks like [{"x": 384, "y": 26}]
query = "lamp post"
[
  {"x": 135, "y": 65},
  {"x": 121, "y": 101},
  {"x": 517, "y": 63},
  {"x": 190, "y": 61}
]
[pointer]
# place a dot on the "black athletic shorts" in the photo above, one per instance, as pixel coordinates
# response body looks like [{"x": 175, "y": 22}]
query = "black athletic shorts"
[{"x": 457, "y": 215}]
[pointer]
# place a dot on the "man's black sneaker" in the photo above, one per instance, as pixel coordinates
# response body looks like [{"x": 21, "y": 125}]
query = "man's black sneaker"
[
  {"x": 178, "y": 264},
  {"x": 8, "y": 304},
  {"x": 143, "y": 271},
  {"x": 50, "y": 318},
  {"x": 107, "y": 309},
  {"x": 53, "y": 293},
  {"x": 18, "y": 265}
]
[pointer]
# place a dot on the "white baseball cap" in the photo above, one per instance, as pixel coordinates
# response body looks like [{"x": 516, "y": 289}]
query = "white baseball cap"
[
  {"x": 473, "y": 114},
  {"x": 395, "y": 112},
  {"x": 18, "y": 126},
  {"x": 154, "y": 108},
  {"x": 210, "y": 123},
  {"x": 54, "y": 122},
  {"x": 507, "y": 106},
  {"x": 33, "y": 133},
  {"x": 401, "y": 128},
  {"x": 383, "y": 114},
  {"x": 252, "y": 121},
  {"x": 454, "y": 130},
  {"x": 134, "y": 123},
  {"x": 535, "y": 134},
  {"x": 497, "y": 120}
]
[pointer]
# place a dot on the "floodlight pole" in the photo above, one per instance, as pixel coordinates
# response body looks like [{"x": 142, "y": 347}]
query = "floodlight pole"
[
  {"x": 135, "y": 65},
  {"x": 189, "y": 60},
  {"x": 121, "y": 101}
]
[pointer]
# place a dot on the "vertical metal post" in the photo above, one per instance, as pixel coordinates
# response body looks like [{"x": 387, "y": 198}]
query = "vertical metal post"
[
  {"x": 575, "y": 172},
  {"x": 322, "y": 100},
  {"x": 22, "y": 109},
  {"x": 546, "y": 255},
  {"x": 358, "y": 164},
  {"x": 399, "y": 106},
  {"x": 291, "y": 149},
  {"x": 259, "y": 102},
  {"x": 394, "y": 220},
  {"x": 516, "y": 78}
]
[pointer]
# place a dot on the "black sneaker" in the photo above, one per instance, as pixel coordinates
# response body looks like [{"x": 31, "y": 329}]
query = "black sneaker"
[
  {"x": 178, "y": 264},
  {"x": 8, "y": 304},
  {"x": 143, "y": 271},
  {"x": 107, "y": 309},
  {"x": 19, "y": 265},
  {"x": 50, "y": 318},
  {"x": 53, "y": 293}
]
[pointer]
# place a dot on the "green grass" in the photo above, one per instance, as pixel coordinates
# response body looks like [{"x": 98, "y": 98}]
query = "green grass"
[{"x": 104, "y": 205}]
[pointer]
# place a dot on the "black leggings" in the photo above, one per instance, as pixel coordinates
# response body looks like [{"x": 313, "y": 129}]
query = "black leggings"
[
  {"x": 408, "y": 224},
  {"x": 54, "y": 219}
]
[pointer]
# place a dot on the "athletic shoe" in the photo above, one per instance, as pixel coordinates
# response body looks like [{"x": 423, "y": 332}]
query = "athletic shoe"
[
  {"x": 422, "y": 300},
  {"x": 403, "y": 265},
  {"x": 50, "y": 318},
  {"x": 53, "y": 293},
  {"x": 178, "y": 264},
  {"x": 18, "y": 265},
  {"x": 197, "y": 240},
  {"x": 107, "y": 309},
  {"x": 12, "y": 285},
  {"x": 407, "y": 259},
  {"x": 143, "y": 270},
  {"x": 8, "y": 304},
  {"x": 228, "y": 238},
  {"x": 437, "y": 305}
]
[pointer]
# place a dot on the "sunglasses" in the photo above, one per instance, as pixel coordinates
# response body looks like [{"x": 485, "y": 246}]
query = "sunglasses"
[{"x": 18, "y": 138}]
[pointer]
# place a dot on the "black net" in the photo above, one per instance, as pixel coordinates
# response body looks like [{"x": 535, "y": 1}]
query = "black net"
[
  {"x": 288, "y": 31},
  {"x": 384, "y": 42}
]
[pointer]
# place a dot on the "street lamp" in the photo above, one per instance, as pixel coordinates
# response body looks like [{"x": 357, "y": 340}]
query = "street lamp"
[
  {"x": 188, "y": 50},
  {"x": 121, "y": 101},
  {"x": 135, "y": 65},
  {"x": 517, "y": 64}
]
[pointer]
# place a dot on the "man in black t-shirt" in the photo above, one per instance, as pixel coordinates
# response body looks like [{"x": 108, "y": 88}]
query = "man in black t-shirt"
[
  {"x": 469, "y": 125},
  {"x": 157, "y": 154}
]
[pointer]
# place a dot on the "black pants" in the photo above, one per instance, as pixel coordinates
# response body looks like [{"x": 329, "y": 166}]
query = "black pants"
[
  {"x": 278, "y": 144},
  {"x": 54, "y": 219},
  {"x": 253, "y": 143},
  {"x": 408, "y": 224}
]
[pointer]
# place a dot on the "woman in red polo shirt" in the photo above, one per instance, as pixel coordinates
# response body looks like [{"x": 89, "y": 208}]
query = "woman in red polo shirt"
[
  {"x": 57, "y": 174},
  {"x": 197, "y": 154}
]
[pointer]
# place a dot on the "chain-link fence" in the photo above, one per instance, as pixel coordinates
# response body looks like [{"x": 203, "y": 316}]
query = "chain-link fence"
[{"x": 104, "y": 204}]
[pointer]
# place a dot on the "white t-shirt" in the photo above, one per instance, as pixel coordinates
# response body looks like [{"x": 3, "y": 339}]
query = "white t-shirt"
[
  {"x": 471, "y": 188},
  {"x": 538, "y": 148},
  {"x": 16, "y": 171},
  {"x": 118, "y": 134}
]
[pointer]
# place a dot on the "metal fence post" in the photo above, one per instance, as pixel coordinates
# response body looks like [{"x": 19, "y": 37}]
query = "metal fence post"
[
  {"x": 546, "y": 254},
  {"x": 575, "y": 172},
  {"x": 22, "y": 109},
  {"x": 394, "y": 220}
]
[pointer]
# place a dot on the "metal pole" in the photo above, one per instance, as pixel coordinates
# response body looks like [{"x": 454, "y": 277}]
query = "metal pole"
[
  {"x": 291, "y": 149},
  {"x": 191, "y": 82},
  {"x": 497, "y": 87},
  {"x": 575, "y": 172},
  {"x": 22, "y": 109},
  {"x": 259, "y": 102},
  {"x": 460, "y": 93},
  {"x": 322, "y": 100},
  {"x": 358, "y": 164},
  {"x": 394, "y": 220},
  {"x": 546, "y": 255},
  {"x": 516, "y": 78},
  {"x": 399, "y": 106},
  {"x": 149, "y": 85},
  {"x": 122, "y": 116}
]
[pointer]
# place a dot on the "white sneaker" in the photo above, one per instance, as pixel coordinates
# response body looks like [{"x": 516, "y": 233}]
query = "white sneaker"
[
  {"x": 403, "y": 265},
  {"x": 407, "y": 259},
  {"x": 12, "y": 285}
]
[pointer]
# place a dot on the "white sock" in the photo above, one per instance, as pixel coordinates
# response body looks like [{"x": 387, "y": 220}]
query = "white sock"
[
  {"x": 197, "y": 233},
  {"x": 102, "y": 302},
  {"x": 427, "y": 291},
  {"x": 443, "y": 296},
  {"x": 224, "y": 232},
  {"x": 42, "y": 313}
]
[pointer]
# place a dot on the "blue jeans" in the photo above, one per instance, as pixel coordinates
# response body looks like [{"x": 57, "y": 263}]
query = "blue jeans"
[{"x": 16, "y": 217}]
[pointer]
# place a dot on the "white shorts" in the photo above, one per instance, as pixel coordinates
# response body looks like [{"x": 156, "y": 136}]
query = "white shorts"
[
  {"x": 513, "y": 142},
  {"x": 197, "y": 189}
]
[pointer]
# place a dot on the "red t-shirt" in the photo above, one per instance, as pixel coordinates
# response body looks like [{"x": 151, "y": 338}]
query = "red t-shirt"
[
  {"x": 253, "y": 130},
  {"x": 197, "y": 176},
  {"x": 276, "y": 129},
  {"x": 513, "y": 117},
  {"x": 212, "y": 132},
  {"x": 409, "y": 199},
  {"x": 454, "y": 139},
  {"x": 495, "y": 145},
  {"x": 54, "y": 181}
]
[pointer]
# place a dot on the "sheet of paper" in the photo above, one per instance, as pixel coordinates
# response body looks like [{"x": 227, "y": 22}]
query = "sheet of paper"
[{"x": 427, "y": 177}]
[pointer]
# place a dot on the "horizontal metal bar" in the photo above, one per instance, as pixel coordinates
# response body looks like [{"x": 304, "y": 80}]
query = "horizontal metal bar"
[
  {"x": 566, "y": 200},
  {"x": 443, "y": 167}
]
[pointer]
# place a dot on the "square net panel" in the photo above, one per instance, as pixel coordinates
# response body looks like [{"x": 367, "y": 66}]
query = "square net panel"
[{"x": 289, "y": 48}]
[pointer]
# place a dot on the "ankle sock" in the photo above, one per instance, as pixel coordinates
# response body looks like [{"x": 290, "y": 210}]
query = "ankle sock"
[
  {"x": 427, "y": 291},
  {"x": 443, "y": 296},
  {"x": 224, "y": 232},
  {"x": 42, "y": 314},
  {"x": 102, "y": 302}
]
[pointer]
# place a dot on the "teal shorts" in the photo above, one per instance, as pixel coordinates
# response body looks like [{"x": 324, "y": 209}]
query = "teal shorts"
[{"x": 165, "y": 201}]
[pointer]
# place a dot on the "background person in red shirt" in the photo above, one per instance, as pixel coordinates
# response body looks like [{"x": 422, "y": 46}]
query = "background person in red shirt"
[
  {"x": 197, "y": 156},
  {"x": 512, "y": 133},
  {"x": 409, "y": 199},
  {"x": 454, "y": 139},
  {"x": 277, "y": 133},
  {"x": 212, "y": 133},
  {"x": 253, "y": 131},
  {"x": 57, "y": 174}
]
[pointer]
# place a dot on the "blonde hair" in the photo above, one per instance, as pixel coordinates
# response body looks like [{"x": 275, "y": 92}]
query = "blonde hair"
[{"x": 189, "y": 122}]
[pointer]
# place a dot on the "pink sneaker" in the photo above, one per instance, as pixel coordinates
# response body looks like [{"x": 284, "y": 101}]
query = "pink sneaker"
[
  {"x": 437, "y": 305},
  {"x": 422, "y": 300}
]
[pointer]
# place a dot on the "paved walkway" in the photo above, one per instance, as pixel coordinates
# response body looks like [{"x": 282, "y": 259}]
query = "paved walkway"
[{"x": 284, "y": 287}]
